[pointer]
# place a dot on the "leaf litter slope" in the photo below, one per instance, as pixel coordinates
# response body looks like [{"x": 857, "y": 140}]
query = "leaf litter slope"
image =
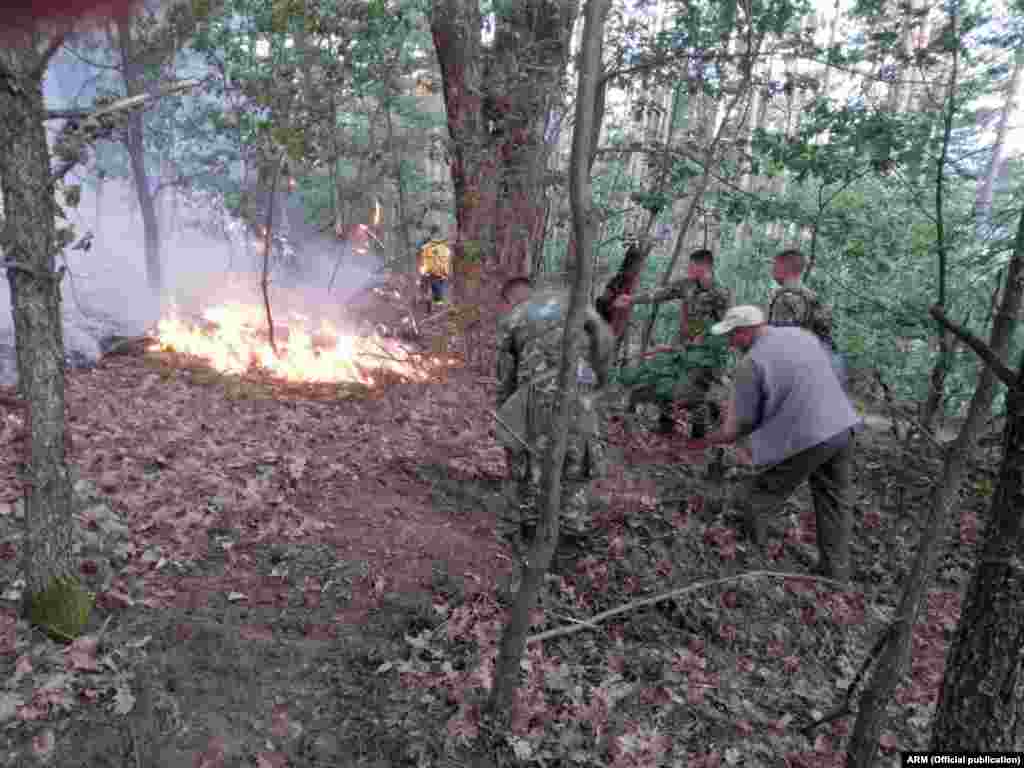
[
  {"x": 284, "y": 519},
  {"x": 280, "y": 551}
]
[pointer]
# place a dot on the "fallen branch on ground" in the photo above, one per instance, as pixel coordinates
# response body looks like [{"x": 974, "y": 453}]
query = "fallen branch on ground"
[
  {"x": 844, "y": 709},
  {"x": 593, "y": 621}
]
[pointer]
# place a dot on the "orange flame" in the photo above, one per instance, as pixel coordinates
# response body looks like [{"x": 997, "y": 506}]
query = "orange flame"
[{"x": 235, "y": 341}]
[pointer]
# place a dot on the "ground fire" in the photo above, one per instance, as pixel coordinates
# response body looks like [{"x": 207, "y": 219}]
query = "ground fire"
[{"x": 232, "y": 337}]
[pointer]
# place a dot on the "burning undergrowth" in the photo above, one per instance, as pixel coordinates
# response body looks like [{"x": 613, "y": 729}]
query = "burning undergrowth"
[{"x": 371, "y": 341}]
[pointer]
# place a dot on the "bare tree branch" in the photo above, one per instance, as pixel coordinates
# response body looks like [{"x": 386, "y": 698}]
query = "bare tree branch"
[
  {"x": 593, "y": 621},
  {"x": 94, "y": 127},
  {"x": 981, "y": 349}
]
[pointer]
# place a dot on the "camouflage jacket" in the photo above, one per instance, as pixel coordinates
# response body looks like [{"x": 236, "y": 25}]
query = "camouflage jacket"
[
  {"x": 704, "y": 306},
  {"x": 530, "y": 346},
  {"x": 794, "y": 304}
]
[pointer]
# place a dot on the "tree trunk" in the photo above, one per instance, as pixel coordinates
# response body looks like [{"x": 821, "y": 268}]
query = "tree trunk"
[
  {"x": 980, "y": 707},
  {"x": 703, "y": 182},
  {"x": 30, "y": 245},
  {"x": 937, "y": 381},
  {"x": 268, "y": 251},
  {"x": 497, "y": 99},
  {"x": 513, "y": 641},
  {"x": 133, "y": 74},
  {"x": 403, "y": 222}
]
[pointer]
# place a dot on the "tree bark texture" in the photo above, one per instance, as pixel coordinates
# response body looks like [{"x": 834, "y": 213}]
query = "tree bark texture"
[
  {"x": 132, "y": 71},
  {"x": 513, "y": 641},
  {"x": 29, "y": 243},
  {"x": 980, "y": 706},
  {"x": 498, "y": 98}
]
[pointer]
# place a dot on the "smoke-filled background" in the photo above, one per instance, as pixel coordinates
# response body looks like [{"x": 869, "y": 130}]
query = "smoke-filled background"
[{"x": 209, "y": 257}]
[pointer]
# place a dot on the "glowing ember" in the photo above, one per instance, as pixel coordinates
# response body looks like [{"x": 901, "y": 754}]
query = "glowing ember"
[{"x": 234, "y": 340}]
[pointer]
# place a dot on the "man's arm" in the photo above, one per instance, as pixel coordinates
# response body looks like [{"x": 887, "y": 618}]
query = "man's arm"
[
  {"x": 744, "y": 411},
  {"x": 668, "y": 293}
]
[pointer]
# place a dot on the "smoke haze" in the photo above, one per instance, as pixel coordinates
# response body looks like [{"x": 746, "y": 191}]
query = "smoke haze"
[{"x": 208, "y": 259}]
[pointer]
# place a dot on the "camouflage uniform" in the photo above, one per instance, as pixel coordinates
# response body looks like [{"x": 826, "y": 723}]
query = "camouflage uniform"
[
  {"x": 529, "y": 355},
  {"x": 794, "y": 304},
  {"x": 704, "y": 307}
]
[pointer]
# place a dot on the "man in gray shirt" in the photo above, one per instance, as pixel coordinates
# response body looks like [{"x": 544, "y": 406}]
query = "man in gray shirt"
[{"x": 800, "y": 424}]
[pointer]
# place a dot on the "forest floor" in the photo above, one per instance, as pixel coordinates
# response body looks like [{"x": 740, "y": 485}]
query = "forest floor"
[{"x": 295, "y": 577}]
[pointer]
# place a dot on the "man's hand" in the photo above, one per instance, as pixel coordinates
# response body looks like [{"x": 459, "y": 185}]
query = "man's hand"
[{"x": 625, "y": 301}]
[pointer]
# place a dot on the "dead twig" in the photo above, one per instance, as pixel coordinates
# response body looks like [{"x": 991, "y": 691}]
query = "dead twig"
[
  {"x": 512, "y": 432},
  {"x": 593, "y": 621},
  {"x": 843, "y": 709},
  {"x": 436, "y": 315}
]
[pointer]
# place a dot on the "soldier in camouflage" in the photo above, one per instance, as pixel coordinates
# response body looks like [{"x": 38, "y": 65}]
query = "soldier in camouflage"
[
  {"x": 703, "y": 303},
  {"x": 529, "y": 354},
  {"x": 794, "y": 304}
]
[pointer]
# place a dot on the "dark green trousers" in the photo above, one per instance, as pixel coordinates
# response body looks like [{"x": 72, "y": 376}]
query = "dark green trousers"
[{"x": 827, "y": 467}]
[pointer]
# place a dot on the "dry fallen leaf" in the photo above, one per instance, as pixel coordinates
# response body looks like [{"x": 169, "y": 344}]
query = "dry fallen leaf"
[
  {"x": 9, "y": 703},
  {"x": 124, "y": 701},
  {"x": 43, "y": 745},
  {"x": 81, "y": 654},
  {"x": 22, "y": 667},
  {"x": 271, "y": 760}
]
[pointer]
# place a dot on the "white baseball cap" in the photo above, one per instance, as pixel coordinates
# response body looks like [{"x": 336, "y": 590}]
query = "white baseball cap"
[{"x": 742, "y": 316}]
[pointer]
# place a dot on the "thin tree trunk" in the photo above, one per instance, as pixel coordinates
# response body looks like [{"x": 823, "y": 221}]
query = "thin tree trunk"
[
  {"x": 403, "y": 223},
  {"x": 980, "y": 707},
  {"x": 30, "y": 257},
  {"x": 132, "y": 72},
  {"x": 268, "y": 244},
  {"x": 513, "y": 641},
  {"x": 710, "y": 153},
  {"x": 937, "y": 380}
]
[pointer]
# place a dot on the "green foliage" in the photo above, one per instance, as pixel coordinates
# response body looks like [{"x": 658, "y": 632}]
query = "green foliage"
[
  {"x": 62, "y": 610},
  {"x": 664, "y": 371}
]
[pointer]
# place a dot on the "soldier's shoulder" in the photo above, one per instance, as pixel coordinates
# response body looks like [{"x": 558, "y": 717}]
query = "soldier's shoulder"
[{"x": 790, "y": 292}]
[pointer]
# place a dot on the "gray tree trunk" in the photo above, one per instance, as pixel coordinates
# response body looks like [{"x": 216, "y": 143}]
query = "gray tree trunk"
[
  {"x": 133, "y": 74},
  {"x": 513, "y": 641},
  {"x": 29, "y": 244}
]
